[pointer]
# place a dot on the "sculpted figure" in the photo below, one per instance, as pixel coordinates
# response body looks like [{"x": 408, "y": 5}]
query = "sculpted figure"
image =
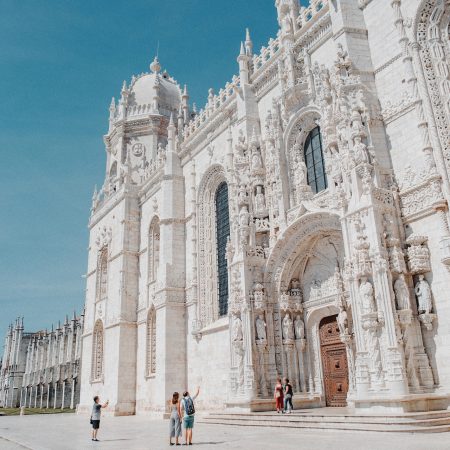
[
  {"x": 244, "y": 216},
  {"x": 237, "y": 330},
  {"x": 242, "y": 195},
  {"x": 299, "y": 327},
  {"x": 360, "y": 152},
  {"x": 260, "y": 328},
  {"x": 342, "y": 320},
  {"x": 423, "y": 293},
  {"x": 256, "y": 160},
  {"x": 301, "y": 172},
  {"x": 260, "y": 201},
  {"x": 367, "y": 297},
  {"x": 288, "y": 328},
  {"x": 401, "y": 293}
]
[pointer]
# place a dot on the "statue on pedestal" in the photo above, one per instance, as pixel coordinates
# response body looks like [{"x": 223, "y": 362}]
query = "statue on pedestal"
[
  {"x": 260, "y": 328},
  {"x": 423, "y": 293},
  {"x": 401, "y": 293},
  {"x": 299, "y": 326},
  {"x": 367, "y": 297},
  {"x": 288, "y": 328}
]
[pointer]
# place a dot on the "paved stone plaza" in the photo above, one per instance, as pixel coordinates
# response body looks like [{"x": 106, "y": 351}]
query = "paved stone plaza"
[{"x": 68, "y": 431}]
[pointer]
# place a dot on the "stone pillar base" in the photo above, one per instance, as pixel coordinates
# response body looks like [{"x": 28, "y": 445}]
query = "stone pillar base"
[{"x": 402, "y": 404}]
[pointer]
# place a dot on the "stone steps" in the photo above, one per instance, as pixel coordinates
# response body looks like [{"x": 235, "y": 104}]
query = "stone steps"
[{"x": 432, "y": 422}]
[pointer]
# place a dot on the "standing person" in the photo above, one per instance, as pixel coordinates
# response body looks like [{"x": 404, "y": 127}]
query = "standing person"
[
  {"x": 187, "y": 405},
  {"x": 95, "y": 416},
  {"x": 278, "y": 395},
  {"x": 288, "y": 392},
  {"x": 175, "y": 418}
]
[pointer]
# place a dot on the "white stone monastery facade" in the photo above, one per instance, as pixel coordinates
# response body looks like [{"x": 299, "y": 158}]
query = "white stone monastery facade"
[
  {"x": 41, "y": 369},
  {"x": 297, "y": 225}
]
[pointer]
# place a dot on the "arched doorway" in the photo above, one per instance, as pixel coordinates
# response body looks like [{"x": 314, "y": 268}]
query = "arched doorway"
[{"x": 334, "y": 362}]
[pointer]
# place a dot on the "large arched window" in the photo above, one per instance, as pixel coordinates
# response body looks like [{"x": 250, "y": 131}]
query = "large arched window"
[
  {"x": 222, "y": 233},
  {"x": 314, "y": 161},
  {"x": 151, "y": 343},
  {"x": 97, "y": 352},
  {"x": 102, "y": 274},
  {"x": 153, "y": 250}
]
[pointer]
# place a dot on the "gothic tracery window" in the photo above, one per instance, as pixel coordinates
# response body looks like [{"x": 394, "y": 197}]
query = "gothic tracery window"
[
  {"x": 222, "y": 234},
  {"x": 153, "y": 250},
  {"x": 151, "y": 343},
  {"x": 314, "y": 161},
  {"x": 97, "y": 352},
  {"x": 102, "y": 275}
]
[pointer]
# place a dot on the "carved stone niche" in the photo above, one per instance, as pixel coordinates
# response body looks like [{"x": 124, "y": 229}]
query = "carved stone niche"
[
  {"x": 259, "y": 297},
  {"x": 396, "y": 257},
  {"x": 418, "y": 254}
]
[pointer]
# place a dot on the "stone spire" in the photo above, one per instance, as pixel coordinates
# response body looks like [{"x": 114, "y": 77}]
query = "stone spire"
[
  {"x": 248, "y": 43},
  {"x": 243, "y": 60}
]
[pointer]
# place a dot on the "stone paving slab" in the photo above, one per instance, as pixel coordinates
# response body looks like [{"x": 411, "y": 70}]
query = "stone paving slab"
[{"x": 71, "y": 432}]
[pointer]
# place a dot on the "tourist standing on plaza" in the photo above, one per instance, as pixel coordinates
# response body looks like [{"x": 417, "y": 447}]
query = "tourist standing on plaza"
[
  {"x": 95, "y": 416},
  {"x": 278, "y": 394},
  {"x": 288, "y": 392},
  {"x": 175, "y": 418},
  {"x": 187, "y": 405}
]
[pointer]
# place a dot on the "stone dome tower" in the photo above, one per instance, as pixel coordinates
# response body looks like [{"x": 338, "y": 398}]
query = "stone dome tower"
[{"x": 137, "y": 134}]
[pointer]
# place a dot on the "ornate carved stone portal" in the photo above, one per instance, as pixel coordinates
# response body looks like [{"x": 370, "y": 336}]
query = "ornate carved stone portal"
[{"x": 334, "y": 362}]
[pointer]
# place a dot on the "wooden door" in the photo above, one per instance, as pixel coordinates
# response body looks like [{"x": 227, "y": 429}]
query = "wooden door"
[{"x": 334, "y": 363}]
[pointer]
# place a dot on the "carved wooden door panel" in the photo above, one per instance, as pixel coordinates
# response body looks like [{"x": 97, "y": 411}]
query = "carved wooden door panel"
[{"x": 334, "y": 363}]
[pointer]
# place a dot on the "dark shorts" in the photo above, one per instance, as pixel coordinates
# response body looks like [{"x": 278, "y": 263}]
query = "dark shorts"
[{"x": 96, "y": 424}]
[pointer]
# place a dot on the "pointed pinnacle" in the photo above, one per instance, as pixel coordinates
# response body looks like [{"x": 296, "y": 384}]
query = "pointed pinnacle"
[{"x": 242, "y": 52}]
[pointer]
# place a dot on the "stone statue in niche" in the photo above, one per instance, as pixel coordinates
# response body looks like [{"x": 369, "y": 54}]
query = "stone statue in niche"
[
  {"x": 367, "y": 297},
  {"x": 299, "y": 327},
  {"x": 401, "y": 293},
  {"x": 300, "y": 171},
  {"x": 242, "y": 195},
  {"x": 360, "y": 152},
  {"x": 260, "y": 202},
  {"x": 260, "y": 328},
  {"x": 238, "y": 335},
  {"x": 244, "y": 216},
  {"x": 423, "y": 293},
  {"x": 288, "y": 328},
  {"x": 342, "y": 320},
  {"x": 256, "y": 160}
]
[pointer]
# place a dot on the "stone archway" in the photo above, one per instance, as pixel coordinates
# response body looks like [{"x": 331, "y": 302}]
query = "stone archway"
[{"x": 305, "y": 275}]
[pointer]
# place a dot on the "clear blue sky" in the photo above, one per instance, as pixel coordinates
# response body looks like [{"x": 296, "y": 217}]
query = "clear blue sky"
[{"x": 61, "y": 61}]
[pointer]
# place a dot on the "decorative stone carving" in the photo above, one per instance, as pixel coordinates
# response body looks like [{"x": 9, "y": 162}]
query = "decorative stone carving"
[
  {"x": 260, "y": 328},
  {"x": 244, "y": 216},
  {"x": 418, "y": 254},
  {"x": 423, "y": 294},
  {"x": 237, "y": 330},
  {"x": 363, "y": 264},
  {"x": 396, "y": 257},
  {"x": 260, "y": 203},
  {"x": 367, "y": 296},
  {"x": 258, "y": 296},
  {"x": 401, "y": 293},
  {"x": 299, "y": 327},
  {"x": 288, "y": 329},
  {"x": 104, "y": 236},
  {"x": 342, "y": 321}
]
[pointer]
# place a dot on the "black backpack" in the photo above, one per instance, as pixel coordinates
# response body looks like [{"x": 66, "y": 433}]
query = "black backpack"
[{"x": 189, "y": 406}]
